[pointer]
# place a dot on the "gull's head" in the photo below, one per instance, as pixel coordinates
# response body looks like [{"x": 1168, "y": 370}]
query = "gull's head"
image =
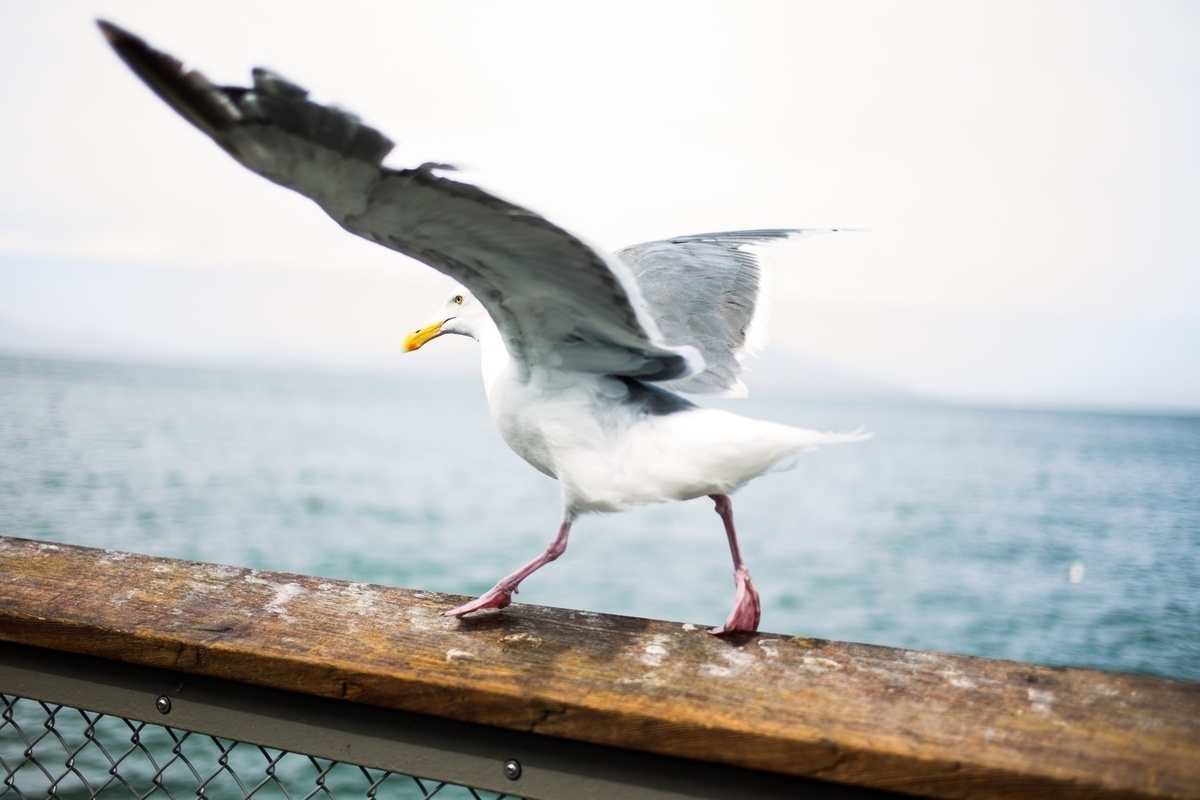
[{"x": 461, "y": 314}]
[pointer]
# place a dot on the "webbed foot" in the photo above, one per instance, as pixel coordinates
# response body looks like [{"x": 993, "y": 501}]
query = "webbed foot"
[
  {"x": 496, "y": 597},
  {"x": 747, "y": 609}
]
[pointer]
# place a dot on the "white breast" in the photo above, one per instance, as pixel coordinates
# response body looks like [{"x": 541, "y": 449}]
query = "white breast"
[{"x": 611, "y": 451}]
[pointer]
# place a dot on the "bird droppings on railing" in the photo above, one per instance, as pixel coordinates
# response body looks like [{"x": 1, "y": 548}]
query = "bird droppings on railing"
[
  {"x": 521, "y": 639},
  {"x": 652, "y": 654},
  {"x": 821, "y": 663},
  {"x": 283, "y": 595},
  {"x": 454, "y": 654},
  {"x": 1040, "y": 701},
  {"x": 768, "y": 646},
  {"x": 112, "y": 557},
  {"x": 360, "y": 601},
  {"x": 740, "y": 660},
  {"x": 957, "y": 679}
]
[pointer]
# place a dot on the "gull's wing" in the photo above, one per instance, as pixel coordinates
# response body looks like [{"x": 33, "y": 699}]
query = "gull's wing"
[
  {"x": 707, "y": 290},
  {"x": 557, "y": 301}
]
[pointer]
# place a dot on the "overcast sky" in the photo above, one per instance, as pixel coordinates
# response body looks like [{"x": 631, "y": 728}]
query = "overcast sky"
[{"x": 1028, "y": 174}]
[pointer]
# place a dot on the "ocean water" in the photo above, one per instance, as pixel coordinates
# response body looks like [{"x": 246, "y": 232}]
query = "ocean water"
[{"x": 1055, "y": 537}]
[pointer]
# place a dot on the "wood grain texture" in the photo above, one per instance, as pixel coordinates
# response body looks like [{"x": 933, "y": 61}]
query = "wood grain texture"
[{"x": 930, "y": 724}]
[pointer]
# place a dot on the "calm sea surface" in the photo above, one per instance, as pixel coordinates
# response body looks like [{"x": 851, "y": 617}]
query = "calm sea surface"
[{"x": 1053, "y": 537}]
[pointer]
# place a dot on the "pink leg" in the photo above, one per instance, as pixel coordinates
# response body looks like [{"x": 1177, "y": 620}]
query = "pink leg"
[
  {"x": 501, "y": 594},
  {"x": 747, "y": 610}
]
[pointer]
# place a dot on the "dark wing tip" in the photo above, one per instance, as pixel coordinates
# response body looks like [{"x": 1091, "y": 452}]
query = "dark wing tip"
[
  {"x": 112, "y": 32},
  {"x": 273, "y": 100},
  {"x": 189, "y": 93}
]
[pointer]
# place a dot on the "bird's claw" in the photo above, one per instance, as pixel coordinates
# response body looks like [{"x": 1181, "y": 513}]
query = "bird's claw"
[
  {"x": 747, "y": 609},
  {"x": 493, "y": 598}
]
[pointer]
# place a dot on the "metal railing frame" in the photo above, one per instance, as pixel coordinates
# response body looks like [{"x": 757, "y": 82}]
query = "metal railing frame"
[{"x": 508, "y": 762}]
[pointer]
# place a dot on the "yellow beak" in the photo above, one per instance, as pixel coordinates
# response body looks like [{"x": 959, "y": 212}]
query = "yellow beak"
[{"x": 417, "y": 338}]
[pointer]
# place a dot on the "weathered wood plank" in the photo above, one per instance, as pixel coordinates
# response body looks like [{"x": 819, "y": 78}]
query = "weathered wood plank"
[{"x": 926, "y": 723}]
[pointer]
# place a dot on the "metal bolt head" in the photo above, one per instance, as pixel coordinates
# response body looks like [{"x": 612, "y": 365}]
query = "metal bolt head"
[
  {"x": 163, "y": 704},
  {"x": 512, "y": 769}
]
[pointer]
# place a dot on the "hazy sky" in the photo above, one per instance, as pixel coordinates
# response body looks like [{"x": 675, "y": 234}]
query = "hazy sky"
[{"x": 1028, "y": 173}]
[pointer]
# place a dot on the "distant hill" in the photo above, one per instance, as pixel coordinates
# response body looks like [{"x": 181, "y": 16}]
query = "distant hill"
[
  {"x": 785, "y": 371},
  {"x": 778, "y": 371}
]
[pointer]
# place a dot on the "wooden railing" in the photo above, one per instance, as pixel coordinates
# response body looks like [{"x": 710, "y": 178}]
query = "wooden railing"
[{"x": 929, "y": 724}]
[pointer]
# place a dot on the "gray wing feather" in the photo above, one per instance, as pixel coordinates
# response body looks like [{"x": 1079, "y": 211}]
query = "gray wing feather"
[
  {"x": 706, "y": 290},
  {"x": 557, "y": 301}
]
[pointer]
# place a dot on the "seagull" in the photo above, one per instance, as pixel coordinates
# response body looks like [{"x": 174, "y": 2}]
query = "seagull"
[{"x": 586, "y": 356}]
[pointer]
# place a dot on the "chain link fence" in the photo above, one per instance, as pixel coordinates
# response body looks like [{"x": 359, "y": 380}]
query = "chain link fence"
[{"x": 61, "y": 752}]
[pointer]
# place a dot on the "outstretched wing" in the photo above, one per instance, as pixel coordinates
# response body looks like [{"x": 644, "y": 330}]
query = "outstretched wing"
[
  {"x": 707, "y": 290},
  {"x": 557, "y": 301}
]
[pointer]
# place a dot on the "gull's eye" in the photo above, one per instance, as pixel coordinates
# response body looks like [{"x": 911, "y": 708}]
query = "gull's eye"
[{"x": 458, "y": 300}]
